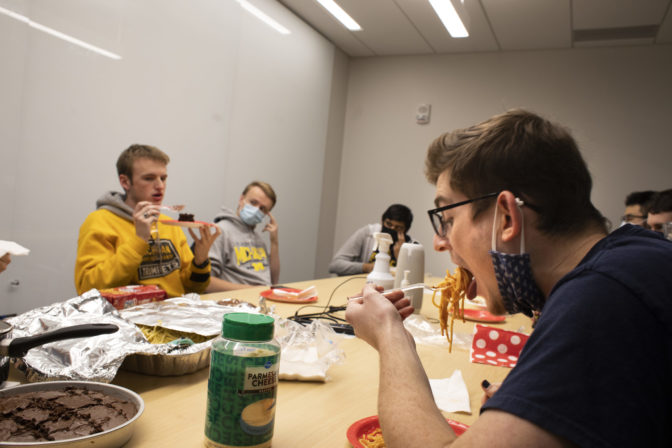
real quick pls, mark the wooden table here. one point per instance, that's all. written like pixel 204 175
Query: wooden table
pixel 308 414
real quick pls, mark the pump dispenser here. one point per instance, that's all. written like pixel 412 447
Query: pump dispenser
pixel 380 275
pixel 412 258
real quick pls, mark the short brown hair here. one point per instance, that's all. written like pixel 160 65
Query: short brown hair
pixel 523 153
pixel 134 152
pixel 265 187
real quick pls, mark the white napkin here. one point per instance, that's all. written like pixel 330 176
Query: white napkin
pixel 451 394
pixel 13 248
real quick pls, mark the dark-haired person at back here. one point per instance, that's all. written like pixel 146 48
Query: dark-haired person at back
pixel 122 244
pixel 660 211
pixel 357 255
pixel 636 208
pixel 597 369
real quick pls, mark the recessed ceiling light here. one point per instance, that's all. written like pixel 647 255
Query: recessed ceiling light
pixel 449 17
pixel 58 34
pixel 342 16
pixel 259 14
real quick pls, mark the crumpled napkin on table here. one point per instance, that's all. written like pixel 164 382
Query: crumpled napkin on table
pixel 12 248
pixel 451 394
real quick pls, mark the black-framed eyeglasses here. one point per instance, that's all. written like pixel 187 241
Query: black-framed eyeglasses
pixel 436 217
pixel 441 227
pixel 631 218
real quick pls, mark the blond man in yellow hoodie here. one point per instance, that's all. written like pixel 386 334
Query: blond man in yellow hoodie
pixel 122 244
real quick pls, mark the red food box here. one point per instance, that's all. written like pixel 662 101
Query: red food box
pixel 131 295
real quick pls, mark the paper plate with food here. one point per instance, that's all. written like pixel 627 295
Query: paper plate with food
pixel 366 433
pixel 481 315
pixel 291 295
pixel 185 220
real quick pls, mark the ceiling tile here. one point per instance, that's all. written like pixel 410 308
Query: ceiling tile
pixel 315 15
pixel 587 14
pixel 385 28
pixel 428 24
pixel 530 24
pixel 401 27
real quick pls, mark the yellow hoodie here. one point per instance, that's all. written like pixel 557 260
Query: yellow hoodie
pixel 110 254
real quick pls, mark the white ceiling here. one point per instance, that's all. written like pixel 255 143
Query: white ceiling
pixel 404 27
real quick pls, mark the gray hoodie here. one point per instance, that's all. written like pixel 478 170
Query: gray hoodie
pixel 356 251
pixel 114 201
pixel 239 255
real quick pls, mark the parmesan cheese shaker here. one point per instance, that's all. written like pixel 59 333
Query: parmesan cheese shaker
pixel 243 383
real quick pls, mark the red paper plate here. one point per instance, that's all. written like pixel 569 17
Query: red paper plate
pixel 269 294
pixel 480 315
pixel 369 424
pixel 193 224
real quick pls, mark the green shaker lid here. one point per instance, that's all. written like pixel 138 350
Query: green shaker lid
pixel 248 327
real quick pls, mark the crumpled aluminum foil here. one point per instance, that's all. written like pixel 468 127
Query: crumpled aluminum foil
pixel 307 352
pixel 98 358
pixel 187 314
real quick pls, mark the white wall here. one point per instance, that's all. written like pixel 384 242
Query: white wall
pixel 332 166
pixel 617 102
pixel 228 98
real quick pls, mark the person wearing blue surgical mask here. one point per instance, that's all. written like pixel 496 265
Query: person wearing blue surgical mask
pixel 513 208
pixel 240 257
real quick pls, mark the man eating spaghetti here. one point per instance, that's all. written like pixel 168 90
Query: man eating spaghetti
pixel 514 210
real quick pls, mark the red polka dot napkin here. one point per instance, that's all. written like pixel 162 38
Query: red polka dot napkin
pixel 495 346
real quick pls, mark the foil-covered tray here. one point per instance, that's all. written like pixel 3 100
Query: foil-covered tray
pixel 99 358
pixel 185 315
pixel 111 438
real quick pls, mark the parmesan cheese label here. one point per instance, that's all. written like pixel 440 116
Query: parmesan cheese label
pixel 242 390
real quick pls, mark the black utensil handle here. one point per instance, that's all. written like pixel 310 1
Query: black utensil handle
pixel 18 347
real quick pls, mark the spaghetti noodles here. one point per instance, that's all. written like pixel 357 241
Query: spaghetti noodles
pixel 161 335
pixel 373 439
pixel 453 292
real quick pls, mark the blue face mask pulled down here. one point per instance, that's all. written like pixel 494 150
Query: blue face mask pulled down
pixel 514 277
pixel 251 215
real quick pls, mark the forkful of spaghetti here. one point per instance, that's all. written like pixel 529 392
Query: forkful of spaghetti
pixel 453 291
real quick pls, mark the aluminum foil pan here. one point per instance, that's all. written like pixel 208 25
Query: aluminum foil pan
pixel 99 358
pixel 111 438
pixel 168 365
pixel 186 315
